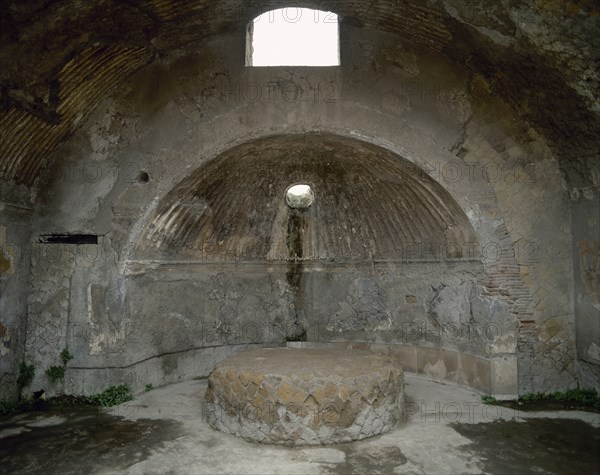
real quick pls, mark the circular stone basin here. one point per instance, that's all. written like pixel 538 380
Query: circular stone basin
pixel 302 396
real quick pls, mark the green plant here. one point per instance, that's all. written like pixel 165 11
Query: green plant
pixel 583 397
pixel 112 396
pixel 7 407
pixel 66 356
pixel 26 374
pixel 70 400
pixel 55 373
pixel 531 397
pixel 588 397
pixel 148 387
pixel 487 399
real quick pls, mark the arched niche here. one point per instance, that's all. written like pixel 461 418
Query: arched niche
pixel 369 204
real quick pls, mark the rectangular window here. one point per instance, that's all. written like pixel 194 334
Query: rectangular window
pixel 293 37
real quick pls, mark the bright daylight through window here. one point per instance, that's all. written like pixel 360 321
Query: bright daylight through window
pixel 294 37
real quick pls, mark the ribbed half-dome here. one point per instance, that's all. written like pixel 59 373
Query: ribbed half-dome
pixel 368 203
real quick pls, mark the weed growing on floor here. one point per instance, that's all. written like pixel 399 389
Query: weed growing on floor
pixel 583 397
pixel 112 396
pixel 487 399
pixel 580 399
pixel 10 407
pixel 7 407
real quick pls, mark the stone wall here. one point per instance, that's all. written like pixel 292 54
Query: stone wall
pixel 15 228
pixel 141 317
pixel 586 269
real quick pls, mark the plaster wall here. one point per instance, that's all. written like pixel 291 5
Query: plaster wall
pixel 586 269
pixel 138 320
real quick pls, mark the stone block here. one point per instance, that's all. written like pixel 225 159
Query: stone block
pixel 341 395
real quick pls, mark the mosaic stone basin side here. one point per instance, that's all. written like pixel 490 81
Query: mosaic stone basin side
pixel 305 396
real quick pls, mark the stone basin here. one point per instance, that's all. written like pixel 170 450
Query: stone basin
pixel 305 396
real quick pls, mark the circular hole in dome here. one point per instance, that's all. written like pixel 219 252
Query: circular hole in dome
pixel 300 196
pixel 143 177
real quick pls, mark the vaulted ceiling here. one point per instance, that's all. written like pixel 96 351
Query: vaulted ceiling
pixel 59 58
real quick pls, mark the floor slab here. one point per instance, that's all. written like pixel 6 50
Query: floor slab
pixel 446 430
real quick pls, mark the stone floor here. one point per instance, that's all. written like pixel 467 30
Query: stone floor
pixel 447 430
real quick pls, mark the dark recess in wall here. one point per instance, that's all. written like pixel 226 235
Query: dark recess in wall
pixel 68 239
